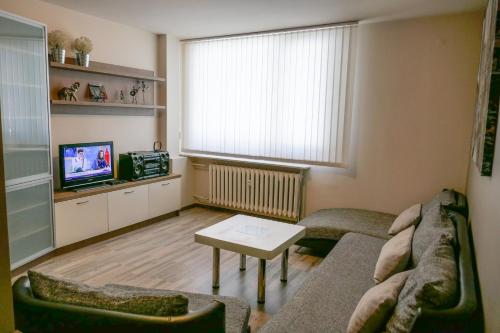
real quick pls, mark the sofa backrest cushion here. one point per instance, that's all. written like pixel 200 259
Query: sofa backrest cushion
pixel 394 256
pixel 432 284
pixel 64 291
pixel 410 216
pixel 434 222
pixel 376 305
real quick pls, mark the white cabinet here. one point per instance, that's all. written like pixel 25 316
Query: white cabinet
pixel 128 206
pixel 80 219
pixel 164 197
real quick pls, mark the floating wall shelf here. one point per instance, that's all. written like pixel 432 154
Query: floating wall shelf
pixel 107 69
pixel 111 105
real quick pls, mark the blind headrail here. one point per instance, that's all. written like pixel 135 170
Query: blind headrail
pixel 291 29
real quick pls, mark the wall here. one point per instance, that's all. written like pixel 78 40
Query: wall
pixel 483 194
pixel 113 43
pixel 415 98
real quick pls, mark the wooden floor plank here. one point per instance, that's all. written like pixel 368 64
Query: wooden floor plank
pixel 164 255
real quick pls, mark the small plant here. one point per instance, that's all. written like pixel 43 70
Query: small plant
pixel 57 39
pixel 82 45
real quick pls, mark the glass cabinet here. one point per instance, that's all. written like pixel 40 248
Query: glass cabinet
pixel 26 137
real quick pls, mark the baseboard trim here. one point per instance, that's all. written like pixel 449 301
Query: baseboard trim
pixel 86 242
pixel 246 212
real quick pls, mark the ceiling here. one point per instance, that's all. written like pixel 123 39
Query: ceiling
pixel 201 18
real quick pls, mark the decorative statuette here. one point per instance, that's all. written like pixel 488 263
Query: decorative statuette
pixel 143 87
pixel 134 91
pixel 69 92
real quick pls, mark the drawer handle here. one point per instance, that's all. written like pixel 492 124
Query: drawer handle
pixel 129 192
pixel 165 184
pixel 82 202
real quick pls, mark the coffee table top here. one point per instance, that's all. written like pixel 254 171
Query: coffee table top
pixel 253 236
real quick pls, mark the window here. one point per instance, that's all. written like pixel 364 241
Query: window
pixel 282 96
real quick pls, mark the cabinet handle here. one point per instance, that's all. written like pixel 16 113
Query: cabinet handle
pixel 165 184
pixel 82 202
pixel 129 192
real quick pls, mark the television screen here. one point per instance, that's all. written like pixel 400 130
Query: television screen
pixel 86 163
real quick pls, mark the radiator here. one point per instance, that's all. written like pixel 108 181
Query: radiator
pixel 262 192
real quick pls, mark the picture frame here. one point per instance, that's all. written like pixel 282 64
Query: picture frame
pixel 97 92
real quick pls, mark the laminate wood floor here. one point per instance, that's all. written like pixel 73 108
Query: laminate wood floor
pixel 165 256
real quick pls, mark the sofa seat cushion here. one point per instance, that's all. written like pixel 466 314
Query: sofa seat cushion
pixel 237 310
pixel 329 296
pixel 336 222
pixel 57 290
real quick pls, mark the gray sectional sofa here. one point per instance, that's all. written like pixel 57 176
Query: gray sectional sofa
pixel 328 298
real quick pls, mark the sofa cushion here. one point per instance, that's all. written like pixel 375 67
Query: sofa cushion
pixel 237 310
pixel 376 305
pixel 329 296
pixel 68 292
pixel 444 198
pixel 394 256
pixel 434 223
pixel 408 217
pixel 336 222
pixel 433 284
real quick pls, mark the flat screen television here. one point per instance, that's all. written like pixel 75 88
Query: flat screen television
pixel 83 164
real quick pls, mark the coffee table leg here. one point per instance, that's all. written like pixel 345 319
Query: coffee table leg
pixel 261 292
pixel 243 262
pixel 216 268
pixel 284 266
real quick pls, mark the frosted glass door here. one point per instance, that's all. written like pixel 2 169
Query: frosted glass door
pixel 29 215
pixel 23 101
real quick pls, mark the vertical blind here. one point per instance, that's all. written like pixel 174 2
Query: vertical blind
pixel 281 96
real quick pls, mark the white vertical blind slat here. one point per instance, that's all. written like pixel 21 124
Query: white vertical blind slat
pixel 281 95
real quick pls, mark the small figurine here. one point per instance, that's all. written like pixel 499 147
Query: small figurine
pixel 69 92
pixel 134 91
pixel 143 87
pixel 122 97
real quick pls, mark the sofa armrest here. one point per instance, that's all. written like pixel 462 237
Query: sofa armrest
pixel 35 315
pixel 467 303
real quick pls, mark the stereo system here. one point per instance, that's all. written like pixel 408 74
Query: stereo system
pixel 143 164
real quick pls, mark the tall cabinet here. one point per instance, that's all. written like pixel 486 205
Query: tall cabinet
pixel 25 129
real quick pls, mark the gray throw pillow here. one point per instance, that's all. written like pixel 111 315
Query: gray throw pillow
pixel 444 198
pixel 434 223
pixel 57 290
pixel 433 284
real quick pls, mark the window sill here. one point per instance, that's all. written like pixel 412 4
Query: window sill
pixel 248 161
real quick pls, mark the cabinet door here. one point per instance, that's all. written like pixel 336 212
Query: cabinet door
pixel 29 216
pixel 79 219
pixel 127 206
pixel 164 197
pixel 24 101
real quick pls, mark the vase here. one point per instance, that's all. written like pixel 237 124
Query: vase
pixel 58 55
pixel 82 59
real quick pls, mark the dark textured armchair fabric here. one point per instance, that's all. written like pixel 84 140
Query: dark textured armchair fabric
pixel 35 315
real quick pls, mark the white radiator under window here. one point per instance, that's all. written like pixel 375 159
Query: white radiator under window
pixel 265 192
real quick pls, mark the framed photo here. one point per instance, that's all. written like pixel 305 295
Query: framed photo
pixel 97 92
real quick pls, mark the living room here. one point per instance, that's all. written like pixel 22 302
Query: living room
pixel 337 119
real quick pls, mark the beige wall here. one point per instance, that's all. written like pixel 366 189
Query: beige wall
pixel 415 101
pixel 113 43
pixel 483 194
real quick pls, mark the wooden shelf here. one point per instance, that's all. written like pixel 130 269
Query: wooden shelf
pixel 109 105
pixel 99 68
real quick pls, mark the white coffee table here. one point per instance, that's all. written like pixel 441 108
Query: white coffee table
pixel 252 236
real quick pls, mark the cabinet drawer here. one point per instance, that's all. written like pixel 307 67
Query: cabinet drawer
pixel 79 219
pixel 164 197
pixel 128 206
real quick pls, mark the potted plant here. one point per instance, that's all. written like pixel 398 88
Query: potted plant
pixel 57 42
pixel 82 47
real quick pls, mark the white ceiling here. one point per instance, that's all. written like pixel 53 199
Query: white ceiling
pixel 200 18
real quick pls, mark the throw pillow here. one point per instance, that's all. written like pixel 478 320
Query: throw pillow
pixel 432 284
pixel 376 305
pixel 394 255
pixel 57 290
pixel 410 216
